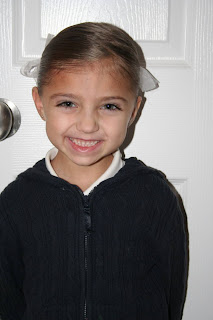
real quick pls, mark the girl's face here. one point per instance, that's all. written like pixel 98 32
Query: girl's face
pixel 87 113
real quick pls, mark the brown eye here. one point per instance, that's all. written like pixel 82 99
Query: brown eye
pixel 66 104
pixel 110 107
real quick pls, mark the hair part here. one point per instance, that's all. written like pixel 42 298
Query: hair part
pixel 87 43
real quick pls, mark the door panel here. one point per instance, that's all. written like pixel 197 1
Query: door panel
pixel 174 133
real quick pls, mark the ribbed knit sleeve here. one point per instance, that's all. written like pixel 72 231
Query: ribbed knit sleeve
pixel 179 267
pixel 12 303
pixel 173 226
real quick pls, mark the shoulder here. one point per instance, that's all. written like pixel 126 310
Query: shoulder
pixel 148 190
pixel 22 195
pixel 22 186
pixel 152 178
pixel 153 183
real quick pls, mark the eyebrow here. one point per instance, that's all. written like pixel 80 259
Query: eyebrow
pixel 55 95
pixel 114 98
pixel 72 96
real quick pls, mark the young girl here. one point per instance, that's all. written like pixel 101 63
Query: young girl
pixel 85 234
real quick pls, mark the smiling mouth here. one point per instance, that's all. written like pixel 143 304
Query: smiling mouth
pixel 83 143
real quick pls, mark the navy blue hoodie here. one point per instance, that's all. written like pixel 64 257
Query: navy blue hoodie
pixel 119 253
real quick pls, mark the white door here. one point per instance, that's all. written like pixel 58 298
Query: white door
pixel 175 131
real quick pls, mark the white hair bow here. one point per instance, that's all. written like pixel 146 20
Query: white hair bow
pixel 147 80
pixel 31 68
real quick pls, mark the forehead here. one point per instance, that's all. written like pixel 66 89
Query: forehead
pixel 103 74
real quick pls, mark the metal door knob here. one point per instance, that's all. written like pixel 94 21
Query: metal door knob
pixel 10 119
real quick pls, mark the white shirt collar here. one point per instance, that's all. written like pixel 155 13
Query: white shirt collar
pixel 115 166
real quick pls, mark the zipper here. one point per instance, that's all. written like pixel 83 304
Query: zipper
pixel 85 266
pixel 87 219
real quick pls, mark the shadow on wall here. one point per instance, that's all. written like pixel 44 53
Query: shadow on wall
pixel 131 129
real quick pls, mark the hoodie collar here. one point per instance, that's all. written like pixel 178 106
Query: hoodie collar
pixel 132 168
pixel 115 166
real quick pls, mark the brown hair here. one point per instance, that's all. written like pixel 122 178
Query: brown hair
pixel 89 42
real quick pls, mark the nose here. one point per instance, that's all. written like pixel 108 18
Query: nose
pixel 87 122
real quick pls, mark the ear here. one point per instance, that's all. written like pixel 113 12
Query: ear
pixel 135 111
pixel 38 102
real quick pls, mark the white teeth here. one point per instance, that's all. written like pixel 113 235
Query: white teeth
pixel 84 143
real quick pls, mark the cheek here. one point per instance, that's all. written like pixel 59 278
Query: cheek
pixel 117 127
pixel 57 122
